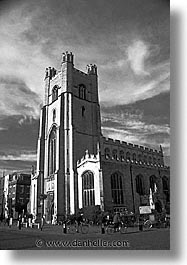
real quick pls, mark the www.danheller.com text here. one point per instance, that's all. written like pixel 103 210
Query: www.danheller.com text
pixel 81 243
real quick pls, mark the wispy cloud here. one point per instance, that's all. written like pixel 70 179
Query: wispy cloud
pixel 22 157
pixel 129 89
pixel 137 54
pixel 21 65
pixel 17 98
pixel 135 127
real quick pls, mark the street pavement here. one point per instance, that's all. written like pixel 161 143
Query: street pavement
pixel 52 237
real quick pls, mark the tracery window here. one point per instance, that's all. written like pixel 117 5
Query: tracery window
pixel 134 157
pixel 153 183
pixel 107 153
pixel 82 91
pixel 165 184
pixel 140 158
pixel 165 187
pixel 88 189
pixel 114 154
pixel 117 188
pixel 121 155
pixel 128 156
pixel 140 185
pixel 52 151
pixel 54 93
pixel 150 160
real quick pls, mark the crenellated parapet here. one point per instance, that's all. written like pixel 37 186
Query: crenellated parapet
pixel 120 150
pixel 95 159
pixel 129 145
pixel 67 57
pixel 50 72
pixel 92 69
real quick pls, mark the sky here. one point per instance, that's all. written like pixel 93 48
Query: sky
pixel 128 40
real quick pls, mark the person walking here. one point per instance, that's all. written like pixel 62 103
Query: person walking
pixel 116 221
pixel 19 222
pixel 79 220
pixel 42 223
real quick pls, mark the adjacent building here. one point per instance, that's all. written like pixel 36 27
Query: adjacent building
pixel 4 181
pixel 15 194
pixel 19 193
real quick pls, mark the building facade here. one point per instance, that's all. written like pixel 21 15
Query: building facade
pixel 16 194
pixel 4 182
pixel 76 165
pixel 2 196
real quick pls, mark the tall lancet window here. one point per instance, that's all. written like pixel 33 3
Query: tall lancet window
pixel 54 93
pixel 88 189
pixel 52 151
pixel 82 91
pixel 117 188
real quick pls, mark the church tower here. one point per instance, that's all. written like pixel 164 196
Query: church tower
pixel 69 125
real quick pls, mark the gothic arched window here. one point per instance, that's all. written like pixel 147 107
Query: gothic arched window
pixel 54 115
pixel 107 153
pixel 139 158
pixel 117 188
pixel 121 155
pixel 140 185
pixel 153 183
pixel 165 184
pixel 82 91
pixel 150 160
pixel 54 93
pixel 134 157
pixel 128 156
pixel 88 189
pixel 52 151
pixel 114 154
pixel 165 187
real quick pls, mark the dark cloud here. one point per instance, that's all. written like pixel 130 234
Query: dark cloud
pixel 8 166
pixel 154 110
pixel 18 143
pixel 144 122
pixel 21 136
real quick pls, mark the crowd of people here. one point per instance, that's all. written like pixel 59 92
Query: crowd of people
pixel 104 219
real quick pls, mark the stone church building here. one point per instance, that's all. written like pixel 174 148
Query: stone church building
pixel 76 165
